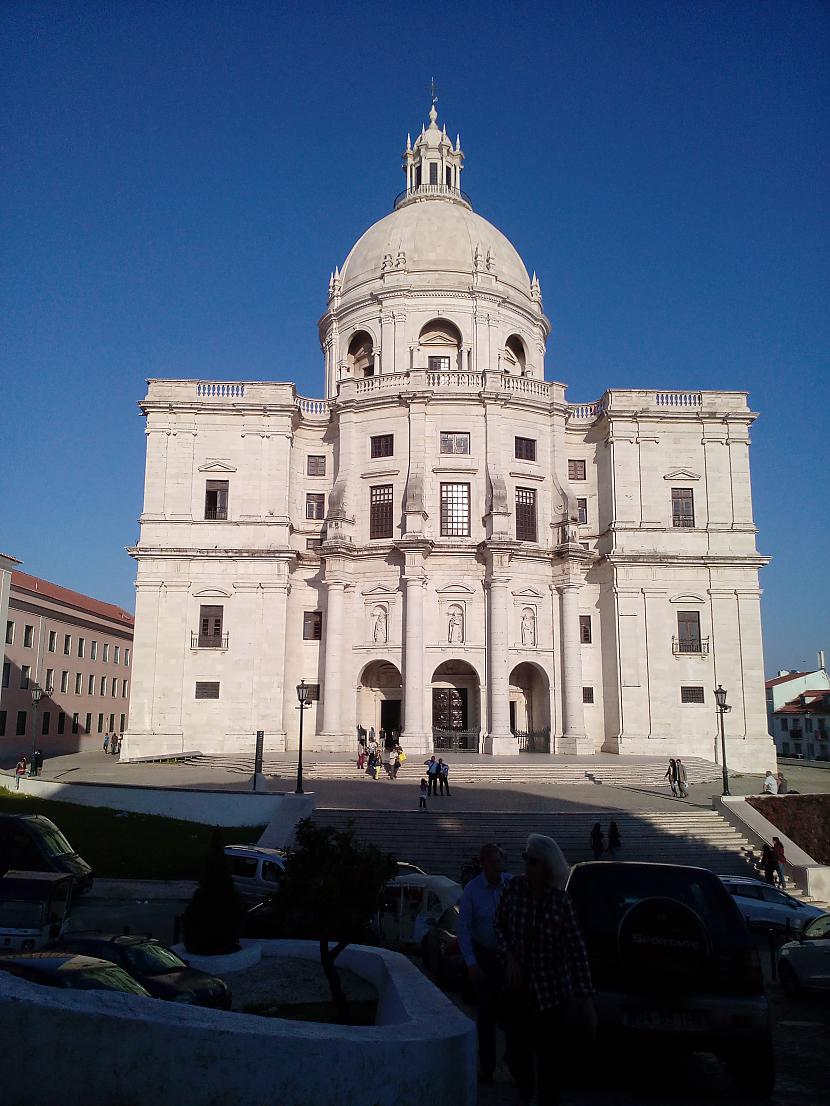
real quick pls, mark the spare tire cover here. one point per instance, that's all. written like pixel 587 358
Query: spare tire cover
pixel 660 941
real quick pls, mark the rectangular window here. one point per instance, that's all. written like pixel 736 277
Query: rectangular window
pixel 576 470
pixel 123 689
pixel 50 680
pixel 312 625
pixel 53 641
pixel 25 673
pixel 380 511
pixel 587 695
pixel 78 683
pixel 114 687
pixel 64 682
pixel 2 723
pixel 682 507
pixel 126 658
pixel 102 689
pixel 525 514
pixel 582 512
pixel 785 725
pixel 207 689
pixel 210 627
pixel 785 748
pixel 28 636
pixel 525 449
pixel 123 722
pixel 313 543
pixel 382 445
pixel 585 635
pixel 81 647
pixel 455 510
pixel 61 722
pixel 90 686
pixel 21 724
pixel 9 632
pixel 67 644
pixel 438 364
pixel 808 725
pixel 116 657
pixel 75 722
pixel 100 723
pixel 112 722
pixel 433 172
pixel 47 718
pixel 688 631
pixel 453 442
pixel 88 724
pixel 691 695
pixel 216 500
pixel 106 653
pixel 315 505
pixel 313 693
pixel 316 464
pixel 93 651
pixel 7 671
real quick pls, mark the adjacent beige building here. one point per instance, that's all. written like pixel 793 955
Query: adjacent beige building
pixel 443 544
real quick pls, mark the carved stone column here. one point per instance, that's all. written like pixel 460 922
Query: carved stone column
pixel 574 739
pixel 417 735
pixel 499 740
pixel 333 660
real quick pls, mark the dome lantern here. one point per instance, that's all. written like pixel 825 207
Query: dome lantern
pixel 433 165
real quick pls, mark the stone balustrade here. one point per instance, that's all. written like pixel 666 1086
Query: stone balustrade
pixel 210 389
pixel 313 406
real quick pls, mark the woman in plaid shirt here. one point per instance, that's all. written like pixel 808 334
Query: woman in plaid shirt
pixel 546 968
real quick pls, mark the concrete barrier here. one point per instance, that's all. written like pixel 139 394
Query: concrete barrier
pixel 100 1048
pixel 213 807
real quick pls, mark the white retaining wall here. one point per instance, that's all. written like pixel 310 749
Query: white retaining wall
pixel 102 1048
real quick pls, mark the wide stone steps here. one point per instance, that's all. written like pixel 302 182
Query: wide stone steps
pixel 442 841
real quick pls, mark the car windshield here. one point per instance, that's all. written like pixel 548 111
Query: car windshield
pixel 103 979
pixel 20 914
pixel 152 959
pixel 54 841
pixel 818 929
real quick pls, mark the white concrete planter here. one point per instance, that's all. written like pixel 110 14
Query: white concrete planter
pixel 248 955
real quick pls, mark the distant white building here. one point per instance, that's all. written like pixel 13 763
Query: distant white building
pixel 443 544
pixel 797 712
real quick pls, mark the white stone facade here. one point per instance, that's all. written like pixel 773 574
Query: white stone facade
pixel 488 559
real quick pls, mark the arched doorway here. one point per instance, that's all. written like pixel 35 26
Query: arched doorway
pixel 456 706
pixel 361 355
pixel 515 358
pixel 530 708
pixel 441 341
pixel 379 698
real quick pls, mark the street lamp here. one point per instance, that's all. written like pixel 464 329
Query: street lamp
pixel 303 695
pixel 720 699
pixel 37 693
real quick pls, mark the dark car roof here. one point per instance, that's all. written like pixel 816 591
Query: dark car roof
pixel 37 819
pixel 110 938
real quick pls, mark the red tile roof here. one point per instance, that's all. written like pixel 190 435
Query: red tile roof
pixel 34 585
pixel 816 698
pixel 783 679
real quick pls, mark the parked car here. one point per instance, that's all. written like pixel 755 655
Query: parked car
pixel 32 843
pixel 440 952
pixel 764 905
pixel 56 968
pixel 411 904
pixel 674 965
pixel 158 969
pixel 805 963
pixel 34 908
pixel 256 871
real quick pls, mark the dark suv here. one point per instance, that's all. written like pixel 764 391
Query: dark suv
pixel 674 965
pixel 32 843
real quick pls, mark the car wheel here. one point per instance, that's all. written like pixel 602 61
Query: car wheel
pixel 788 978
pixel 753 1069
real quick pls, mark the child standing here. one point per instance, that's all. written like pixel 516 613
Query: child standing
pixel 422 804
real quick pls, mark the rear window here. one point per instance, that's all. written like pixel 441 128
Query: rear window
pixel 603 894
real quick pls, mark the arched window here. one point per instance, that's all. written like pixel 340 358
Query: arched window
pixel 441 340
pixel 361 356
pixel 515 359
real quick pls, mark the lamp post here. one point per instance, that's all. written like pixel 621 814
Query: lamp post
pixel 720 699
pixel 37 692
pixel 303 693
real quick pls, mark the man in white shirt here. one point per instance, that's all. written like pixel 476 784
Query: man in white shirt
pixel 477 941
pixel 770 784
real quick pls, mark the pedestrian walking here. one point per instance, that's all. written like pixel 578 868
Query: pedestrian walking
pixel 431 766
pixel 37 762
pixel 597 841
pixel 476 935
pixel 770 784
pixel 444 777
pixel 780 860
pixel 769 863
pixel 547 976
pixel 671 776
pixel 680 769
pixel 106 741
pixel 423 790
pixel 614 840
pixel 19 770
pixel 783 786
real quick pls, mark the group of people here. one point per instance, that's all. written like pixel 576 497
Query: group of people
pixel 24 765
pixel 438 776
pixel 597 838
pixel 527 964
pixel 773 861
pixel 676 775
pixel 774 785
pixel 112 743
pixel 376 757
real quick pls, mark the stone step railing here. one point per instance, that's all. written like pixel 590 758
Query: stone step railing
pixel 219 390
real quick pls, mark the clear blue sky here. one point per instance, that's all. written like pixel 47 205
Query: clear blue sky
pixel 180 178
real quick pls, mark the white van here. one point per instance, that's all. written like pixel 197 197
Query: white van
pixel 256 871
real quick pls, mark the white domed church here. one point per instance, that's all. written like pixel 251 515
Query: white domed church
pixel 443 546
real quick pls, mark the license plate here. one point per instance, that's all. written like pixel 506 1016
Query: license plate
pixel 677 1021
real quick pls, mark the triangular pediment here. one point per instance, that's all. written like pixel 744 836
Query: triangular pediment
pixel 380 589
pixel 212 592
pixel 217 466
pixel 682 474
pixel 528 593
pixel 436 340
pixel 455 589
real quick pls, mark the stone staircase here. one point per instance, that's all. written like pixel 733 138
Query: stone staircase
pixel 441 842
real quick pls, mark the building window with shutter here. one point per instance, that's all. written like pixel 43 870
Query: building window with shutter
pixel 582 512
pixel 587 695
pixel 93 651
pixel 47 718
pixel 53 641
pixel 316 464
pixel 312 625
pixel 216 500
pixel 78 682
pixel 88 723
pixel 525 514
pixel 691 695
pixel 21 724
pixel 67 644
pixel 211 635
pixel 100 723
pixel 315 505
pixel 25 673
pixel 207 689
pixel 64 682
pixel 61 722
pixel 525 449
pixel 576 470
pixel 683 507
pixel 7 671
pixel 29 636
pixel 10 632
pixel 75 722
pixel 313 544
pixel 380 511
pixel 2 723
pixel 382 445
pixel 688 632
pixel 455 510
pixel 453 443
pixel 585 635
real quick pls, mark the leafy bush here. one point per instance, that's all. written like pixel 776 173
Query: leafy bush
pixel 212 918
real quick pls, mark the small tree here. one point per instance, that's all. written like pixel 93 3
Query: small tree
pixel 210 926
pixel 332 887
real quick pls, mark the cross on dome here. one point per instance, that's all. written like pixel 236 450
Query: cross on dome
pixel 432 164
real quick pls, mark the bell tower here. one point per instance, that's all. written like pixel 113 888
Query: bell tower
pixel 432 164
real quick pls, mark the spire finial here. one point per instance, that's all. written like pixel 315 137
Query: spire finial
pixel 433 112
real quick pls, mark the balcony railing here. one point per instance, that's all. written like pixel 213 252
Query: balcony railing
pixel 696 647
pixel 422 191
pixel 209 641
pixel 216 514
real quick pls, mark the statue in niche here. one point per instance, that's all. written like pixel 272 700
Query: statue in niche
pixel 379 626
pixel 455 628
pixel 528 626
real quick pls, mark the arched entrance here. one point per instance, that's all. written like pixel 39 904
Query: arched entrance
pixel 441 340
pixel 530 708
pixel 379 698
pixel 456 706
pixel 361 356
